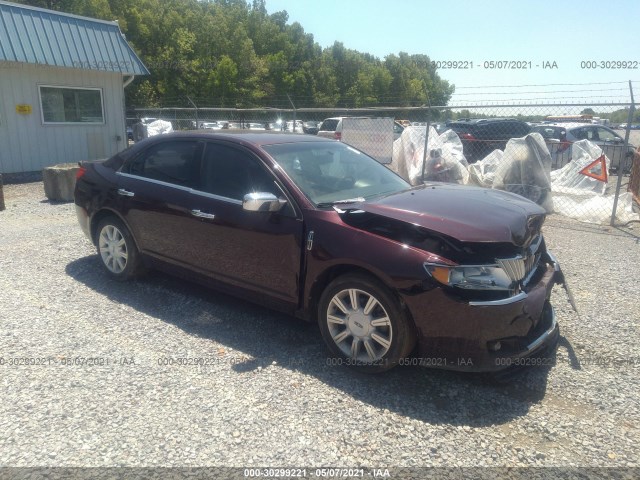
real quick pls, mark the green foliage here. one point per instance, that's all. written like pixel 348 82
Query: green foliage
pixel 231 53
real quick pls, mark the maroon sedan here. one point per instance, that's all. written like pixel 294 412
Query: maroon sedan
pixel 439 275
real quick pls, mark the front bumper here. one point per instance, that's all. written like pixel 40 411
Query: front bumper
pixel 487 336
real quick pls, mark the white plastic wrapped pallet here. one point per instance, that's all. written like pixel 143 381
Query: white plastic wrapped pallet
pixel 585 198
pixel 445 160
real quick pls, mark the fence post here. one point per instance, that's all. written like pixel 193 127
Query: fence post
pixel 294 113
pixel 626 149
pixel 196 107
pixel 426 138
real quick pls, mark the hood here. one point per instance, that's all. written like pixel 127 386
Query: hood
pixel 468 214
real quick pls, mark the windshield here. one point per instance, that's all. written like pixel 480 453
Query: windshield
pixel 329 172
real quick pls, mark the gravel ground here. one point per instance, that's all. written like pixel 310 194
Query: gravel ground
pixel 267 396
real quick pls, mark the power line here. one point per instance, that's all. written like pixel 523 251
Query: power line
pixel 544 92
pixel 545 85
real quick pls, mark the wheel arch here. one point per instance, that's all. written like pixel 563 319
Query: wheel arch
pixel 339 270
pixel 102 214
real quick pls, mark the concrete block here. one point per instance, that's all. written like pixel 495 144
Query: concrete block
pixel 59 181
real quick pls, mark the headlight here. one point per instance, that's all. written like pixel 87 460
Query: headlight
pixel 471 277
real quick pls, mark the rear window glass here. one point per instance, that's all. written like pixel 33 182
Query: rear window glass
pixel 329 125
pixel 550 132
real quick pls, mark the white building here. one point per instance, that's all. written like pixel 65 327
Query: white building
pixel 62 80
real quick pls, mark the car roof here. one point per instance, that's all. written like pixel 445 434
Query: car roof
pixel 476 121
pixel 571 125
pixel 244 136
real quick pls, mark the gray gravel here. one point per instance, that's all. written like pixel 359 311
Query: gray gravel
pixel 267 397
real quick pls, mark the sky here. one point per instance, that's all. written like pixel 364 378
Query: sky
pixel 568 37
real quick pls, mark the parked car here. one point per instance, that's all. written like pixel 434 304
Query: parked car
pixel 482 136
pixel 210 125
pixel 332 128
pixel 311 128
pixel 457 275
pixel 560 136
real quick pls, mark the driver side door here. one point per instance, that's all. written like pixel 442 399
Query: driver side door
pixel 259 251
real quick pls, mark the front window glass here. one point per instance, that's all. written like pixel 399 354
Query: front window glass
pixel 331 171
pixel 606 135
pixel 233 173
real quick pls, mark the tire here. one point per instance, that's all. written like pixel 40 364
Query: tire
pixel 372 337
pixel 116 249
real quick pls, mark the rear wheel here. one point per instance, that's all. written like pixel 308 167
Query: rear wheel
pixel 363 324
pixel 116 249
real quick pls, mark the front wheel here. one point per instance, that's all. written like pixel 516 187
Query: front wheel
pixel 116 249
pixel 363 324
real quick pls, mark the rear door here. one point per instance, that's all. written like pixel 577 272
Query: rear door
pixel 260 251
pixel 154 195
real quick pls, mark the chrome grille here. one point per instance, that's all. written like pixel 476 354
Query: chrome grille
pixel 519 268
pixel 514 267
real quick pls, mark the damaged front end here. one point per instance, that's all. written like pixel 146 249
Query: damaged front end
pixel 486 302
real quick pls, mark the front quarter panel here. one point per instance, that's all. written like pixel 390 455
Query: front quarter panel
pixel 336 244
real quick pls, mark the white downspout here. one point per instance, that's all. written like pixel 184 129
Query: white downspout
pixel 124 111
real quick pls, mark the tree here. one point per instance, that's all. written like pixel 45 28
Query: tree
pixel 233 53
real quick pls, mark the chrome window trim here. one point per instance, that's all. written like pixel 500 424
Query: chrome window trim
pixel 213 196
pixel 183 188
pixel 153 180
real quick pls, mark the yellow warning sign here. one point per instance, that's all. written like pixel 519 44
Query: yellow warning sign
pixel 24 109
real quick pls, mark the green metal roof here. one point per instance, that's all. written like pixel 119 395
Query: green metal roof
pixel 44 37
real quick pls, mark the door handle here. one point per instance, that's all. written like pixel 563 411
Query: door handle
pixel 198 213
pixel 125 193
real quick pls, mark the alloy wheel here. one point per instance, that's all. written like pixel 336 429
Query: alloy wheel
pixel 113 249
pixel 359 325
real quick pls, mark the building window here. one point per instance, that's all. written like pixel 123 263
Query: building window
pixel 71 105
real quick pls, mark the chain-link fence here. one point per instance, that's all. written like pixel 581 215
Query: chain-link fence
pixel 562 156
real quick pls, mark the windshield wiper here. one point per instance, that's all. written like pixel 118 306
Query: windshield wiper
pixel 341 202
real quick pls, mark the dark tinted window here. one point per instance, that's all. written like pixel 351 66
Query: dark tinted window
pixel 174 162
pixel 502 129
pixel 232 173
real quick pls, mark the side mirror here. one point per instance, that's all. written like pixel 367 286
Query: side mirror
pixel 262 202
